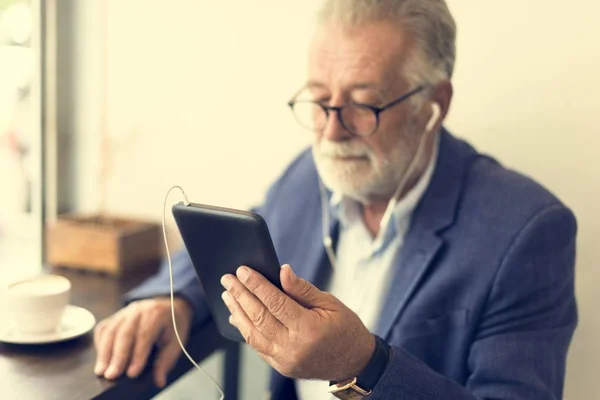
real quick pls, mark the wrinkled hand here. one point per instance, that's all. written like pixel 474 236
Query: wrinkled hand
pixel 124 341
pixel 303 333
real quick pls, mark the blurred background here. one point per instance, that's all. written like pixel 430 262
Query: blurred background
pixel 129 97
pixel 20 139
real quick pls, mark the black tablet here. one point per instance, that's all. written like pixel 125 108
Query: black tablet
pixel 219 240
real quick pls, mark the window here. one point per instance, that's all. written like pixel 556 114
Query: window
pixel 21 143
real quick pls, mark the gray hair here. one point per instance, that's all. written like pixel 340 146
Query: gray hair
pixel 429 22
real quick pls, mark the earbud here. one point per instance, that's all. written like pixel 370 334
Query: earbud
pixel 436 112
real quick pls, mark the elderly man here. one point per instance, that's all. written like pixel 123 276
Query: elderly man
pixel 443 275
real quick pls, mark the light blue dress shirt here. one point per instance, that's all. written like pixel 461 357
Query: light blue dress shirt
pixel 361 279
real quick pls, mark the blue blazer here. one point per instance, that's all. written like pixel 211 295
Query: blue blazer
pixel 482 302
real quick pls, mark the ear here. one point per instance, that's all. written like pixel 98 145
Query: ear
pixel 442 96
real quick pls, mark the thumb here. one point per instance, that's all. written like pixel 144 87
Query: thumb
pixel 302 291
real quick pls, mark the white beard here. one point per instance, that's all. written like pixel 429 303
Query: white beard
pixel 365 178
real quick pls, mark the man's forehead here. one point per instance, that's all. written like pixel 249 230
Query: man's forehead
pixel 365 56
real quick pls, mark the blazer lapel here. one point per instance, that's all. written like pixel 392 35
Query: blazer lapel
pixel 422 242
pixel 302 247
pixel 419 249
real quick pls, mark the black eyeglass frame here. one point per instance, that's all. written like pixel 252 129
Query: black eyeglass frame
pixel 338 109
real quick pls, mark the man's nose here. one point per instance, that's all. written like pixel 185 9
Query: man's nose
pixel 334 130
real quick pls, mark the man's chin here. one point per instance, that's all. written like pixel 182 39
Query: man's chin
pixel 346 166
pixel 358 184
pixel 351 177
pixel 346 184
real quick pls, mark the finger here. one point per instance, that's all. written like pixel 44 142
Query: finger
pixel 284 308
pixel 251 334
pixel 105 340
pixel 258 313
pixel 165 361
pixel 302 291
pixel 147 334
pixel 98 331
pixel 123 345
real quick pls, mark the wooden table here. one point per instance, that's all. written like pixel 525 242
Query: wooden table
pixel 65 371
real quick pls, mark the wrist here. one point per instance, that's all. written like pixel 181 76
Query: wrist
pixel 366 356
pixel 362 383
pixel 362 355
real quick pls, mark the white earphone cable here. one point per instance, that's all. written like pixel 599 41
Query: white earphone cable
pixel 387 215
pixel 164 229
pixel 327 241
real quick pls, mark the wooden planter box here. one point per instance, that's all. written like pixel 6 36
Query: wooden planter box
pixel 109 245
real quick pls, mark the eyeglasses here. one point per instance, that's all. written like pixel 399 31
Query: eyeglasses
pixel 358 119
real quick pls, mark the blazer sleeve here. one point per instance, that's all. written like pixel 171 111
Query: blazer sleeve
pixel 520 346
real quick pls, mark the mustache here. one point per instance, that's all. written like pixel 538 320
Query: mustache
pixel 343 149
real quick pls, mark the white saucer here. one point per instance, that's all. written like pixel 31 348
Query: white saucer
pixel 76 321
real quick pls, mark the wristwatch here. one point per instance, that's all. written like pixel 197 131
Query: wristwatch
pixel 361 386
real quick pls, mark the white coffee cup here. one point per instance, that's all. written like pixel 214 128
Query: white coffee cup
pixel 36 305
